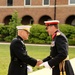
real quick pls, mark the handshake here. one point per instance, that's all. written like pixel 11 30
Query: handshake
pixel 41 63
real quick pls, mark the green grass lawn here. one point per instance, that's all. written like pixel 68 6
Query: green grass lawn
pixel 38 52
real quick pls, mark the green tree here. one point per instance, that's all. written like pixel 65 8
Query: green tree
pixel 14 21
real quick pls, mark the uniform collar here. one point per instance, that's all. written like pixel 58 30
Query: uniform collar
pixel 53 36
pixel 19 38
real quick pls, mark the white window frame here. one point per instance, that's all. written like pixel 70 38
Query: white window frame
pixel 70 3
pixel 25 3
pixel 43 3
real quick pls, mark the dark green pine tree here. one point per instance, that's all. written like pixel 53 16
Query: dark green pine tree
pixel 14 21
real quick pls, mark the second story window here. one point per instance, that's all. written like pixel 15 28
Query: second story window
pixel 9 2
pixel 72 1
pixel 46 2
pixel 27 2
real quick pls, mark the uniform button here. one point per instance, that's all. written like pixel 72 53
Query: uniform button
pixel 20 65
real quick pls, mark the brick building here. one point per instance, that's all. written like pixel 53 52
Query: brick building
pixel 37 11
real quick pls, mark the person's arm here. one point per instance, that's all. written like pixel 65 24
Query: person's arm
pixel 47 58
pixel 22 55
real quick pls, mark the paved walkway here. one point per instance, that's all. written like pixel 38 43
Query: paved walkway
pixel 47 71
pixel 33 44
pixel 73 63
pixel 44 71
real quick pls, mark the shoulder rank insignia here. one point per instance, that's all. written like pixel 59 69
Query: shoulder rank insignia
pixel 58 33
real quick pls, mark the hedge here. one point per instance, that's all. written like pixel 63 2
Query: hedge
pixel 69 31
pixel 7 33
pixel 38 34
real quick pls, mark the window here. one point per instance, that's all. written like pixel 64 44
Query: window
pixel 46 2
pixel 31 21
pixel 27 2
pixel 73 22
pixel 9 2
pixel 72 1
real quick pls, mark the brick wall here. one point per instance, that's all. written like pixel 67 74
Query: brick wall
pixel 33 2
pixel 62 2
pixel 37 2
pixel 62 12
pixel 18 2
pixel 3 2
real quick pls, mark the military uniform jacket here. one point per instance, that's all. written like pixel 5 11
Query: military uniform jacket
pixel 58 53
pixel 19 58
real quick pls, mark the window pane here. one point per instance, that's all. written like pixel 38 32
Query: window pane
pixel 27 2
pixel 73 22
pixel 46 2
pixel 72 1
pixel 9 2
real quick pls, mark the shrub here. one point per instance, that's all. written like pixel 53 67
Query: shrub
pixel 8 32
pixel 71 42
pixel 4 32
pixel 69 31
pixel 38 34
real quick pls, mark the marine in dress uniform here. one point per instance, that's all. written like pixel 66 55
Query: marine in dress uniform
pixel 19 57
pixel 58 59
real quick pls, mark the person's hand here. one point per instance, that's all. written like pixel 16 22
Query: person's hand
pixel 29 69
pixel 39 62
pixel 45 64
